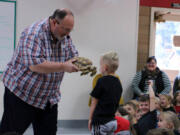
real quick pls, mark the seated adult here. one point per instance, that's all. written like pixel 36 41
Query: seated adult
pixel 161 82
pixel 176 85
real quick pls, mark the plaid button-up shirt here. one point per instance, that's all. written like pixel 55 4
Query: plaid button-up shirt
pixel 35 47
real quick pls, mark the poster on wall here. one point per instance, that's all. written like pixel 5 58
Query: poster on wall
pixel 7 31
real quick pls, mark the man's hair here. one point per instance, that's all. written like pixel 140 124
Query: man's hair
pixel 144 98
pixel 60 14
pixel 111 60
pixel 160 131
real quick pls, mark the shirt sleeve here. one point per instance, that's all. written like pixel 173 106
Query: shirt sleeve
pixel 31 49
pixel 97 91
pixel 135 83
pixel 70 49
pixel 167 83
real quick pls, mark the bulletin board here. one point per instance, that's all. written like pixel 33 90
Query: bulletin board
pixel 7 31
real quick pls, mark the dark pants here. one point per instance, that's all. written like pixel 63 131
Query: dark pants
pixel 18 115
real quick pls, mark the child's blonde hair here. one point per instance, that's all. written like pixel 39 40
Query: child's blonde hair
pixel 132 104
pixel 171 118
pixel 136 103
pixel 168 97
pixel 158 104
pixel 111 60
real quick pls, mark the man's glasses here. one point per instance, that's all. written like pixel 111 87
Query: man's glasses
pixel 63 28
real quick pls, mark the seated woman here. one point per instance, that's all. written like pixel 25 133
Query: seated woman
pixel 161 82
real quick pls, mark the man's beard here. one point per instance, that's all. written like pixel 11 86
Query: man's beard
pixel 60 38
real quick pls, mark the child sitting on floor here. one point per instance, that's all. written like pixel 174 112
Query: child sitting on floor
pixel 169 120
pixel 176 102
pixel 123 124
pixel 166 103
pixel 148 119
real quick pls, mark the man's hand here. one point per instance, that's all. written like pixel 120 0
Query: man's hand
pixel 69 67
pixel 51 67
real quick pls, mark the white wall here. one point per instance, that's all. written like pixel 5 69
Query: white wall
pixel 100 26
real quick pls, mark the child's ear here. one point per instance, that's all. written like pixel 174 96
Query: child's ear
pixel 54 21
pixel 105 67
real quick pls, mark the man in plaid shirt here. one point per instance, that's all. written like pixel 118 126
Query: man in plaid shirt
pixel 34 74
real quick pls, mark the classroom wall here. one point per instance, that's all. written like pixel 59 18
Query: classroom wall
pixel 100 26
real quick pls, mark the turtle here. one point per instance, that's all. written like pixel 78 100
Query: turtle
pixel 85 65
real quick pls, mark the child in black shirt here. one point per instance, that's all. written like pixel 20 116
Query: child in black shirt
pixel 148 119
pixel 105 97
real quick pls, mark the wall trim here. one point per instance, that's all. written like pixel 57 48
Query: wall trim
pixel 72 123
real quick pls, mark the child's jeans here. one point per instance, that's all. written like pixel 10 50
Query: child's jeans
pixel 106 129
